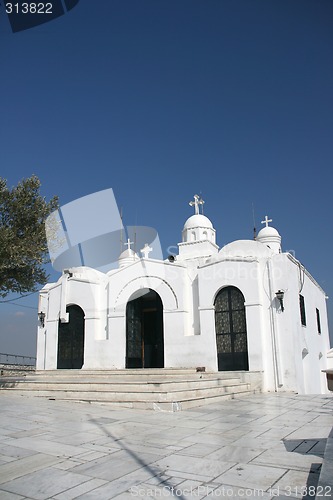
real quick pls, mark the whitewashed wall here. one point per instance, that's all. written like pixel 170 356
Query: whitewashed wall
pixel 291 356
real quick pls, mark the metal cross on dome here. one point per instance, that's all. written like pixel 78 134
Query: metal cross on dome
pixel 266 221
pixel 128 243
pixel 197 201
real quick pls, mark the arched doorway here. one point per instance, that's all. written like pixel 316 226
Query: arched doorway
pixel 71 340
pixel 230 328
pixel 144 331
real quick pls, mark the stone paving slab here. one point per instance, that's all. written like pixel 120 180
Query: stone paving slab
pixel 265 446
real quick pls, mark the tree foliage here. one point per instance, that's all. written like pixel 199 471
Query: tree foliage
pixel 23 245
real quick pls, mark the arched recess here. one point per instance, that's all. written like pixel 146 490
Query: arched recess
pixel 230 329
pixel 144 330
pixel 164 290
pixel 71 340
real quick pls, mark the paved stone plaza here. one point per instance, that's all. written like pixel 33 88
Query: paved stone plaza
pixel 263 446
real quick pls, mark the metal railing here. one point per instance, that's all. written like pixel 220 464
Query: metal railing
pixel 16 359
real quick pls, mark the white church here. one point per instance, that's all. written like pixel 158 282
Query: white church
pixel 248 306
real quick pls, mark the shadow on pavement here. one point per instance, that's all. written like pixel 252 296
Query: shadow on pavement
pixel 153 471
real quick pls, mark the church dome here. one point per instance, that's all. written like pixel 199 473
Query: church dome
pixel 127 257
pixel 243 249
pixel 269 236
pixel 129 253
pixel 198 220
pixel 267 232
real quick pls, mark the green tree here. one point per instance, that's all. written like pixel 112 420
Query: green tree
pixel 23 245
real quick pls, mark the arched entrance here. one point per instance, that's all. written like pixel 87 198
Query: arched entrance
pixel 71 340
pixel 230 328
pixel 144 331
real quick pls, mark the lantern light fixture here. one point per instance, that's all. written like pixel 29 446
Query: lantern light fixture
pixel 41 317
pixel 280 295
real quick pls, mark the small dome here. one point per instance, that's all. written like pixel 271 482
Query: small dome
pixel 244 249
pixel 127 257
pixel 270 237
pixel 83 272
pixel 198 220
pixel 267 232
pixel 127 254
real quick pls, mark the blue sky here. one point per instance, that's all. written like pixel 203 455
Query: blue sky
pixel 161 99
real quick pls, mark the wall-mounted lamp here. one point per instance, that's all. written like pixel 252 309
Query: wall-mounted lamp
pixel 41 317
pixel 279 295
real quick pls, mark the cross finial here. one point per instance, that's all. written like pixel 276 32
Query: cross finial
pixel 128 243
pixel 197 201
pixel 146 250
pixel 266 221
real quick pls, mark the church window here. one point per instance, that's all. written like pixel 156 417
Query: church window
pixel 302 310
pixel 205 236
pixel 318 321
pixel 193 236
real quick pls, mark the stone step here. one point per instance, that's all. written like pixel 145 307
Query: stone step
pixel 143 396
pixel 125 377
pixel 149 373
pixel 126 386
pixel 167 406
pixel 161 389
pixel 193 403
pixel 120 371
pixel 118 380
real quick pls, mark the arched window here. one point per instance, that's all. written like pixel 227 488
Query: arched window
pixel 230 328
pixel 193 236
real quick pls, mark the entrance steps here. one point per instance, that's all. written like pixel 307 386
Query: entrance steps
pixel 153 388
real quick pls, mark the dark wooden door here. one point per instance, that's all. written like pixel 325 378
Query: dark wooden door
pixel 144 332
pixel 71 340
